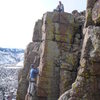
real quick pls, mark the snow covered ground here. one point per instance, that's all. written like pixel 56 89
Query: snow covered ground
pixel 11 61
pixel 8 81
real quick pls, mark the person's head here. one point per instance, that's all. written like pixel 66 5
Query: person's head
pixel 32 65
pixel 60 2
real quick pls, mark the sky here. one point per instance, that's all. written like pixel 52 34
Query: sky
pixel 18 17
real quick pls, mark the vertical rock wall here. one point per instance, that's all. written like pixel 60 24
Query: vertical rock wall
pixel 59 59
pixel 61 54
pixel 87 83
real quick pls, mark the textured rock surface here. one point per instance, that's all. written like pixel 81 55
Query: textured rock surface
pixel 31 56
pixel 90 4
pixel 59 60
pixel 93 13
pixel 56 35
pixel 87 83
pixel 55 49
pixel 96 13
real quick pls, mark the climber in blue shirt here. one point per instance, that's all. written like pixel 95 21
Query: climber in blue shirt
pixel 34 71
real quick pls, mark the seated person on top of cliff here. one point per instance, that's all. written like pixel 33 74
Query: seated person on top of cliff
pixel 60 7
pixel 34 71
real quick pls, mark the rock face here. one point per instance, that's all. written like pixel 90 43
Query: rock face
pixel 87 82
pixel 93 13
pixel 55 48
pixel 59 58
pixel 96 13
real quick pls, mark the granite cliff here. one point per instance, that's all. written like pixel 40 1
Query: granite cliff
pixel 87 82
pixel 67 53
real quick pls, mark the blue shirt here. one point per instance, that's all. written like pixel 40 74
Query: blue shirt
pixel 34 72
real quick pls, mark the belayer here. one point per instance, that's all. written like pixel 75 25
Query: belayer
pixel 60 7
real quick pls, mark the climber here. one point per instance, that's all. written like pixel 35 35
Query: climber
pixel 60 7
pixel 34 71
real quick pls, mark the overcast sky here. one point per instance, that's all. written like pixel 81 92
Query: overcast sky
pixel 17 18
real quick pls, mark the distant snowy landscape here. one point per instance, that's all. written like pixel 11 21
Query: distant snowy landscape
pixel 11 56
pixel 11 61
